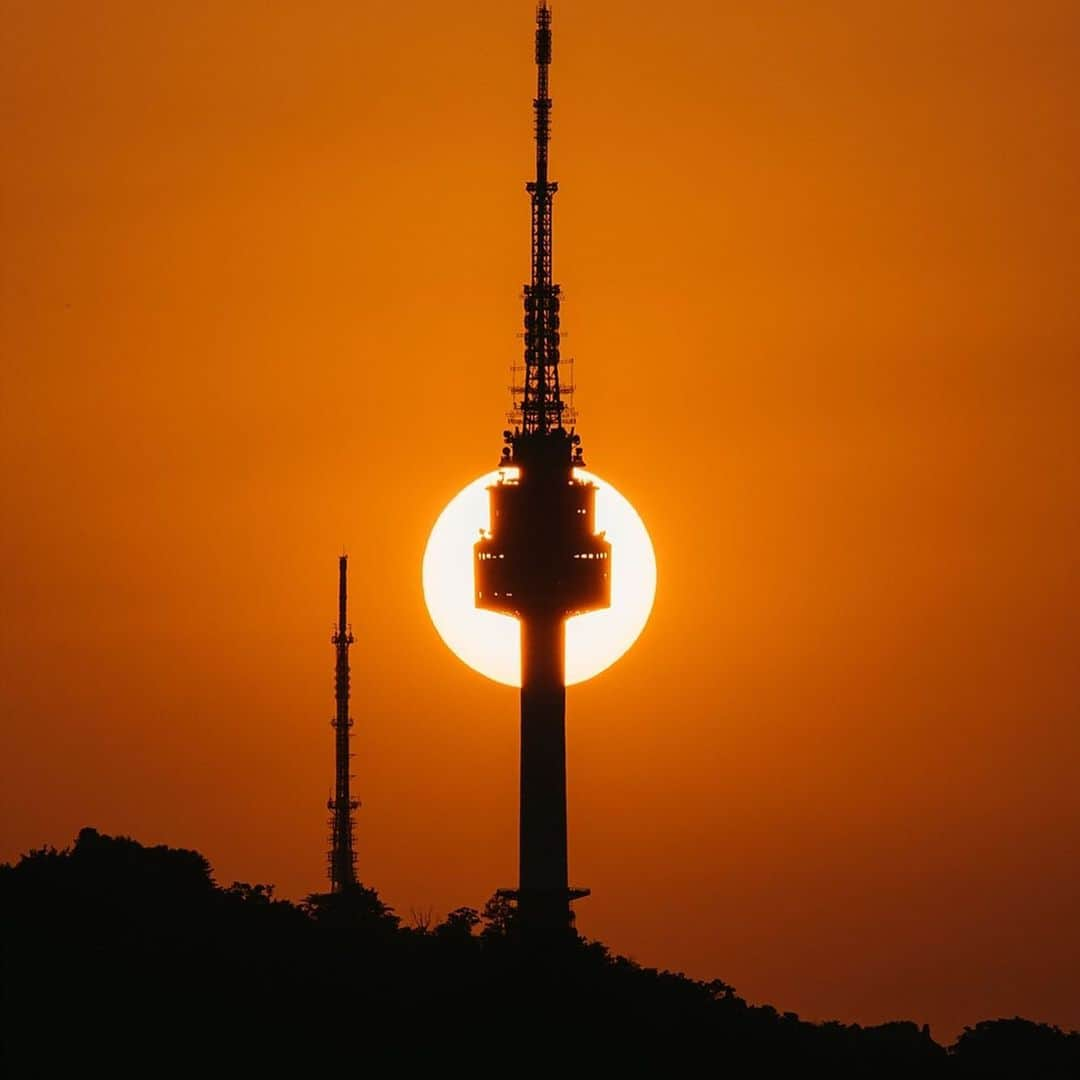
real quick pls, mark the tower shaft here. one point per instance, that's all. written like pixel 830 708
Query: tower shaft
pixel 543 895
pixel 342 806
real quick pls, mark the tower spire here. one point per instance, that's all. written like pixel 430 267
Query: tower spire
pixel 342 807
pixel 538 405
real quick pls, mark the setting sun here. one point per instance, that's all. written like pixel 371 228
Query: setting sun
pixel 490 643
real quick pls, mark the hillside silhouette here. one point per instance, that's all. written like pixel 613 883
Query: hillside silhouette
pixel 121 959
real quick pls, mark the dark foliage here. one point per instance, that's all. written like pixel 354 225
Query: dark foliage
pixel 1018 1048
pixel 120 959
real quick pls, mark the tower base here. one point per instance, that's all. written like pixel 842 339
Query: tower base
pixel 544 913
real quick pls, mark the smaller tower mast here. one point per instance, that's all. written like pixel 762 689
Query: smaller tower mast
pixel 342 807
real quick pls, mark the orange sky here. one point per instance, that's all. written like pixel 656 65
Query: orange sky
pixel 260 289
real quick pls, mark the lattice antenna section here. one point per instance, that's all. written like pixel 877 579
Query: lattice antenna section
pixel 538 405
pixel 567 387
pixel 341 858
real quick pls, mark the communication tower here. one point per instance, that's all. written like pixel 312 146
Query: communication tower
pixel 541 559
pixel 342 806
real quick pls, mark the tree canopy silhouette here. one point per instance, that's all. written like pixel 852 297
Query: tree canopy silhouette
pixel 133 958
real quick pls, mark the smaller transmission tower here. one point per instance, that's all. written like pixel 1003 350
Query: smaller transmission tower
pixel 342 807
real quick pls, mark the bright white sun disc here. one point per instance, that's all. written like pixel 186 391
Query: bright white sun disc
pixel 490 643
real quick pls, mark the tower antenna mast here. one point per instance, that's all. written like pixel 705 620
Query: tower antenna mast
pixel 342 807
pixel 540 407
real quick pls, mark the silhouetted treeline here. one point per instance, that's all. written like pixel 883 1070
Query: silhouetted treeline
pixel 120 959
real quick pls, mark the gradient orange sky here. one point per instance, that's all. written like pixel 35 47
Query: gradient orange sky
pixel 260 290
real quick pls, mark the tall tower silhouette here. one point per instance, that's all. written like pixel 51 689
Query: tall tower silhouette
pixel 342 806
pixel 541 559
